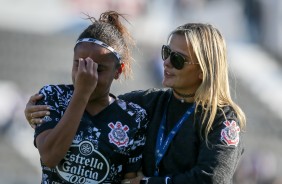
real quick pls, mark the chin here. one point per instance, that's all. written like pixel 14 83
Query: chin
pixel 166 83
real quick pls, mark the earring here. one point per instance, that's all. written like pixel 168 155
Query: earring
pixel 121 68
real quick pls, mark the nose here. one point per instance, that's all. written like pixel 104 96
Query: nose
pixel 167 63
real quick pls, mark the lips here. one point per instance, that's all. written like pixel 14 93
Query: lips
pixel 168 74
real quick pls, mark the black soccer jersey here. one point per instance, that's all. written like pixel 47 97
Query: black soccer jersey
pixel 105 146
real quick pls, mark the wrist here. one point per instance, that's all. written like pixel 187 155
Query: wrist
pixel 80 96
pixel 162 180
pixel 144 180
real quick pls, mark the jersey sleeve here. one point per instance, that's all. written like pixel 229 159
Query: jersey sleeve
pixel 135 159
pixel 217 160
pixel 51 99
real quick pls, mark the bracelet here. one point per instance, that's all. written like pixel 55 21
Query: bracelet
pixel 144 180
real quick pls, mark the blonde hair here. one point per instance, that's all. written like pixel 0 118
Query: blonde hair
pixel 210 49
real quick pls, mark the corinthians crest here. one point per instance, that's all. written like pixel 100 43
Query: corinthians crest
pixel 230 134
pixel 118 134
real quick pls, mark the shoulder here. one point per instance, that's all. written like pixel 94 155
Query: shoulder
pixel 228 124
pixel 61 93
pixel 132 109
pixel 225 129
pixel 225 113
pixel 49 89
pixel 56 90
pixel 222 114
pixel 144 93
pixel 146 98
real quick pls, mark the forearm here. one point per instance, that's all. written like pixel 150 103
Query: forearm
pixel 214 166
pixel 54 145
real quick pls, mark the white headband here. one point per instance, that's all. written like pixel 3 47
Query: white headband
pixel 92 40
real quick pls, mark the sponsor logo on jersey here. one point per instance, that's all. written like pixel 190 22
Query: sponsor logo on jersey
pixel 118 135
pixel 230 134
pixel 83 164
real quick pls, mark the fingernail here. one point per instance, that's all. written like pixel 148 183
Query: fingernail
pixel 48 107
pixel 47 113
pixel 40 121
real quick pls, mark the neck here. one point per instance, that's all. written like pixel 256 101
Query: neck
pixel 97 105
pixel 184 97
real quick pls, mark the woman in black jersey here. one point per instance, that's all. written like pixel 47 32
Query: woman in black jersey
pixel 195 129
pixel 90 136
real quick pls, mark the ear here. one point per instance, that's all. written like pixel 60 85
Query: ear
pixel 201 75
pixel 119 71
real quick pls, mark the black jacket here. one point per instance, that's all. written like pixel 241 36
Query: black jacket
pixel 189 159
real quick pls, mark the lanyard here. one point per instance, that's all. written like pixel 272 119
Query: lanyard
pixel 162 141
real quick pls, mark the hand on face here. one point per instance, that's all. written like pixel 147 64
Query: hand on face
pixel 85 82
pixel 86 77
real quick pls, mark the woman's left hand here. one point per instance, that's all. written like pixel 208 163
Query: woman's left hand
pixel 135 180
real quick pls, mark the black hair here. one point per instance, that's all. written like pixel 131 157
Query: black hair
pixel 110 30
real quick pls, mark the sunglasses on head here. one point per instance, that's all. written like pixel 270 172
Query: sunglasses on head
pixel 177 59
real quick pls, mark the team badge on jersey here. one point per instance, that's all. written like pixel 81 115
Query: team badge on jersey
pixel 118 134
pixel 230 134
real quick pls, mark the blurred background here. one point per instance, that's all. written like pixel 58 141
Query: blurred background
pixel 36 47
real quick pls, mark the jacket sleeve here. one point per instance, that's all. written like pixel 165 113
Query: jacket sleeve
pixel 148 99
pixel 217 160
